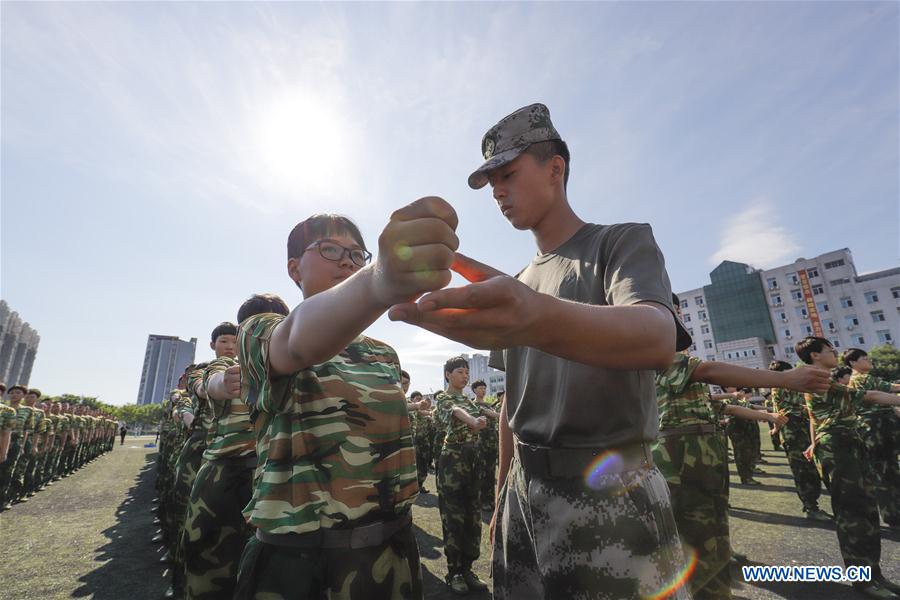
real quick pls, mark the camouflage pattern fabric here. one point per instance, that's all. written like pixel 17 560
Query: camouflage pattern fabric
pixel 424 444
pixel 880 430
pixel 459 500
pixel 489 454
pixel 233 434
pixel 337 447
pixel 186 467
pixel 389 571
pixel 215 531
pixel 7 471
pixel 741 432
pixel 806 478
pixel 455 431
pixel 695 467
pixel 559 538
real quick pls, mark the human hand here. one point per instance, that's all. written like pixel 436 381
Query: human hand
pixel 494 311
pixel 415 251
pixel 807 379
pixel 232 381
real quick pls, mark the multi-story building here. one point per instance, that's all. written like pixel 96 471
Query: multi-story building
pixel 18 347
pixel 757 315
pixel 165 360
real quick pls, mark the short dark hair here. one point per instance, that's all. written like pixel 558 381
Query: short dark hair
pixel 478 383
pixel 223 328
pixel 18 387
pixel 808 345
pixel 34 391
pixel 2 387
pixel 455 363
pixel 838 372
pixel 317 227
pixel 779 365
pixel 404 374
pixel 414 394
pixel 258 304
pixel 851 355
pixel 544 151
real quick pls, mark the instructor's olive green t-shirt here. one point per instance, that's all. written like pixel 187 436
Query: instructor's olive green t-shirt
pixel 556 402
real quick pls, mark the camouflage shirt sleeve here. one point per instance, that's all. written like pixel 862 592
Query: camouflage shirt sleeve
pixel 219 365
pixel 260 389
pixel 678 376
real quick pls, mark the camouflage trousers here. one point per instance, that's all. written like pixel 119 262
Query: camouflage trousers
pixel 459 499
pixel 843 456
pixel 741 436
pixel 489 451
pixel 186 468
pixel 696 469
pixel 68 459
pixel 881 434
pixel 388 571
pixel 756 441
pixel 18 489
pixel 215 531
pixel 437 447
pixel 31 474
pixel 7 470
pixel 806 477
pixel 424 443
pixel 558 538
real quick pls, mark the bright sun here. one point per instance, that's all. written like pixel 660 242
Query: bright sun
pixel 301 141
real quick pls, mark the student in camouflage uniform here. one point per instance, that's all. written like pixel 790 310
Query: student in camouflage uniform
pixel 48 447
pixel 583 327
pixel 488 447
pixel 841 451
pixel 18 434
pixel 36 453
pixel 795 434
pixel 692 454
pixel 215 530
pixel 740 432
pixel 880 430
pixel 332 414
pixel 19 491
pixel 422 425
pixel 63 430
pixel 458 477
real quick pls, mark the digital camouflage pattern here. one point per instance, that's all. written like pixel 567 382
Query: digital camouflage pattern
pixel 559 538
pixel 880 430
pixel 795 434
pixel 695 467
pixel 233 434
pixel 389 571
pixel 337 445
pixel 489 454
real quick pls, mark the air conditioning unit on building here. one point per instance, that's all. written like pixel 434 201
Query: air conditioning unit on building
pixel 779 304
pixel 784 320
pixel 851 327
pixel 788 336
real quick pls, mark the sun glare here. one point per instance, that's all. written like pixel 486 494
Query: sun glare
pixel 301 142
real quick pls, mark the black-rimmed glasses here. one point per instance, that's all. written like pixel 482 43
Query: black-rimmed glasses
pixel 335 252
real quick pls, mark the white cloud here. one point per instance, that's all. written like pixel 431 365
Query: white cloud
pixel 755 237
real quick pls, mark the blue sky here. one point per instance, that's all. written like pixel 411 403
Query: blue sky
pixel 156 155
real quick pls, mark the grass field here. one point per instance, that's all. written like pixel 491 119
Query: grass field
pixel 88 536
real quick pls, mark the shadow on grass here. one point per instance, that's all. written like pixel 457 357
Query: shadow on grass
pixel 759 516
pixel 130 562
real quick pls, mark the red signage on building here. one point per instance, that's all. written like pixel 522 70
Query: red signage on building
pixel 810 303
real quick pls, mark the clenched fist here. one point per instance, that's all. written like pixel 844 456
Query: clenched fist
pixel 415 251
pixel 232 380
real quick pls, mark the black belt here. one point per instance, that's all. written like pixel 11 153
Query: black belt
pixel 364 536
pixel 540 461
pixel 688 430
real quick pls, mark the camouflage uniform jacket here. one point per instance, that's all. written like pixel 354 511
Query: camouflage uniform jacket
pixel 334 447
pixel 681 401
pixel 8 421
pixel 233 434
pixel 789 402
pixel 456 432
pixel 835 410
pixel 867 381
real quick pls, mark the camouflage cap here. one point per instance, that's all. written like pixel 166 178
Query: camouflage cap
pixel 510 137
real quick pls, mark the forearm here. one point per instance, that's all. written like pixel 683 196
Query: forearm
pixel 4 444
pixel 749 414
pixel 323 325
pixel 215 388
pixel 463 416
pixel 722 396
pixel 884 398
pixel 641 336
pixel 726 375
pixel 506 450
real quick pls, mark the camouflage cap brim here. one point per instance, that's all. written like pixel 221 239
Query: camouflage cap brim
pixel 479 178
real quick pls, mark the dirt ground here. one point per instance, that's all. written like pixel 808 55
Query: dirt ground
pixel 88 536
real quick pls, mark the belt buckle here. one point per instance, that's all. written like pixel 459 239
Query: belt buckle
pixel 364 537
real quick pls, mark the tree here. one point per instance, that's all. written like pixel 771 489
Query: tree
pixel 886 362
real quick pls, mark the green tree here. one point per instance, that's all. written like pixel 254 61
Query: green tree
pixel 886 362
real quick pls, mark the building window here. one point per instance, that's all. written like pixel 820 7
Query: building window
pixel 787 333
pixel 871 297
pixel 840 281
pixel 783 316
pixel 846 302
pixel 776 299
pixel 704 329
pixel 809 330
pixel 814 272
pixel 753 352
pixel 690 331
pixel 836 343
pixel 684 304
pixel 835 263
pixel 852 321
pixel 895 292
pixel 710 357
pixel 792 277
pixel 860 340
pixel 789 350
pixel 802 312
pixel 884 336
pixel 829 325
pixel 693 347
pixel 707 344
pixel 686 318
pixel 877 316
pixel 818 289
pixel 796 295
pixel 822 307
pixel 698 300
pixel 772 283
pixel 702 315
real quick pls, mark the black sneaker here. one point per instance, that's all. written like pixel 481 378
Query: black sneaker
pixel 818 515
pixel 873 589
pixel 888 584
pixel 474 583
pixel 457 584
pixel 750 481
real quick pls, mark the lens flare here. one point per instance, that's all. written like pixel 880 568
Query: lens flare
pixel 608 462
pixel 680 579
pixel 403 251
